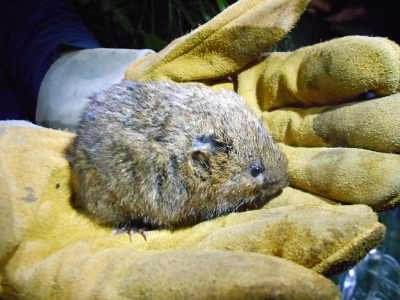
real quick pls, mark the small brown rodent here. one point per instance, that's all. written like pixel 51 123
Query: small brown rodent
pixel 172 154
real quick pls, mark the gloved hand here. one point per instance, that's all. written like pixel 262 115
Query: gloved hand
pixel 291 93
pixel 50 250
pixel 345 152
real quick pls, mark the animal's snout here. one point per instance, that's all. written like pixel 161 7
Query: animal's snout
pixel 271 186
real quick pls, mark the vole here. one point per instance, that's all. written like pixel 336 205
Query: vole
pixel 172 155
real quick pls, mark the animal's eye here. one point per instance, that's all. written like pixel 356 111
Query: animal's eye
pixel 256 169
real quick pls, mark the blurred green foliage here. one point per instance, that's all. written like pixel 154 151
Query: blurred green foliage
pixel 146 23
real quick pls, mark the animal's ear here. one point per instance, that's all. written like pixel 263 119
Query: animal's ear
pixel 210 144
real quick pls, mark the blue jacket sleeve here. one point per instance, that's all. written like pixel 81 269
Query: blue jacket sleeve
pixel 32 35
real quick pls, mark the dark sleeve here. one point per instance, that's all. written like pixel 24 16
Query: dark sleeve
pixel 32 35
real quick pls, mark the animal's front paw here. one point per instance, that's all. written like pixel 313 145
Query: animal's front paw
pixel 131 231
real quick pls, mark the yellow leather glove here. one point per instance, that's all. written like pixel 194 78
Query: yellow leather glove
pixel 291 93
pixel 49 250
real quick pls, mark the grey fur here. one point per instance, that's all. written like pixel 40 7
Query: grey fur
pixel 172 154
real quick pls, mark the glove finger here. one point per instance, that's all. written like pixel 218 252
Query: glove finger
pixel 226 43
pixel 327 73
pixel 372 125
pixel 354 176
pixel 326 239
pixel 78 272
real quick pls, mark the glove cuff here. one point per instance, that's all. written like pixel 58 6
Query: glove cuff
pixel 74 77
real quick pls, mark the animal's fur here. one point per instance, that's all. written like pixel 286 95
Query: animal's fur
pixel 172 154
